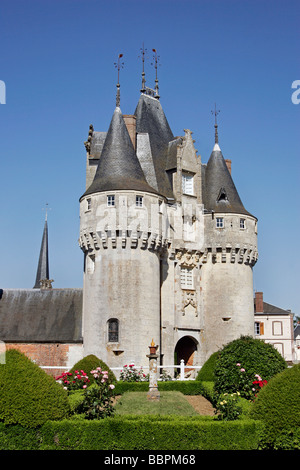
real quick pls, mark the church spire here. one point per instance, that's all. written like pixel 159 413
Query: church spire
pixel 42 275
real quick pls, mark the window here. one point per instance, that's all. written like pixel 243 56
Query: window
pixel 187 184
pixel 222 195
pixel 113 330
pixel 242 223
pixel 258 328
pixel 89 204
pixel 186 278
pixel 220 222
pixel 111 200
pixel 139 201
pixel 277 328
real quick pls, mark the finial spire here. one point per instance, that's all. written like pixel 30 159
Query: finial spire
pixel 156 59
pixel 43 264
pixel 215 112
pixel 46 211
pixel 143 53
pixel 118 66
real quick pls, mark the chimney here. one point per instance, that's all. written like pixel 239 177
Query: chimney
pixel 130 122
pixel 259 302
pixel 228 163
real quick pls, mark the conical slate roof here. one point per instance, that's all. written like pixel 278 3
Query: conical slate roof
pixel 151 119
pixel 220 194
pixel 119 167
pixel 43 265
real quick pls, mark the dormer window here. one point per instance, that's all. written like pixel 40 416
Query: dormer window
pixel 222 195
pixel 188 184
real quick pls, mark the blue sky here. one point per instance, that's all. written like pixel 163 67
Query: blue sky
pixel 57 62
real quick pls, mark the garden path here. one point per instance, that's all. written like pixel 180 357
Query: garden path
pixel 200 404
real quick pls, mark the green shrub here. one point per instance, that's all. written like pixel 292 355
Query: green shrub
pixel 91 362
pixel 151 432
pixel 239 361
pixel 278 406
pixel 98 399
pixel 206 373
pixel 28 396
pixel 228 407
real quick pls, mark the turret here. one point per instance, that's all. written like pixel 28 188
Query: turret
pixel 230 252
pixel 122 235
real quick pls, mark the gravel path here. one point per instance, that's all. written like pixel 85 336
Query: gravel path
pixel 200 404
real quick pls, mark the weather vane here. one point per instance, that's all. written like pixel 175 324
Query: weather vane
pixel 156 60
pixel 143 54
pixel 118 66
pixel 215 112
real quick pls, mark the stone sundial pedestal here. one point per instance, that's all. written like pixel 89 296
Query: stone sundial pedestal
pixel 153 393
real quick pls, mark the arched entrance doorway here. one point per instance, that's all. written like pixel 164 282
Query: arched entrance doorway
pixel 185 349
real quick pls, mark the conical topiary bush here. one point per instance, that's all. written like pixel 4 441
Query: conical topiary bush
pixel 28 396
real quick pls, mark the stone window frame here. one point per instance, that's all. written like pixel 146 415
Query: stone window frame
pixel 111 200
pixel 187 278
pixel 220 222
pixel 139 201
pixel 187 177
pixel 242 223
pixel 113 335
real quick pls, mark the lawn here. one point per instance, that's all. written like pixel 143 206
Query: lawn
pixel 170 403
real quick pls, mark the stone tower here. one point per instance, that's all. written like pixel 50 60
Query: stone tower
pixel 230 253
pixel 168 245
pixel 122 224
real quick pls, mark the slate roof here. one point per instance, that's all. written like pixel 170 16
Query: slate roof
pixel 118 167
pixel 97 143
pixel 220 193
pixel 297 331
pixel 271 309
pixel 151 119
pixel 41 315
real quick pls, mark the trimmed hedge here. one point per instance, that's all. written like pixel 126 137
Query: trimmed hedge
pixel 206 373
pixel 128 433
pixel 278 406
pixel 29 396
pixel 254 355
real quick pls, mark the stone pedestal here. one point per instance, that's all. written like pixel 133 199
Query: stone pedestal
pixel 153 393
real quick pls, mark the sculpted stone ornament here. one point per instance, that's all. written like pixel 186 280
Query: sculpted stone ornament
pixel 153 393
pixel 46 283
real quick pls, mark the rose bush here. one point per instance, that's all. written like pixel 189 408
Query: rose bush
pixel 98 398
pixel 73 381
pixel 131 374
pixel 227 407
